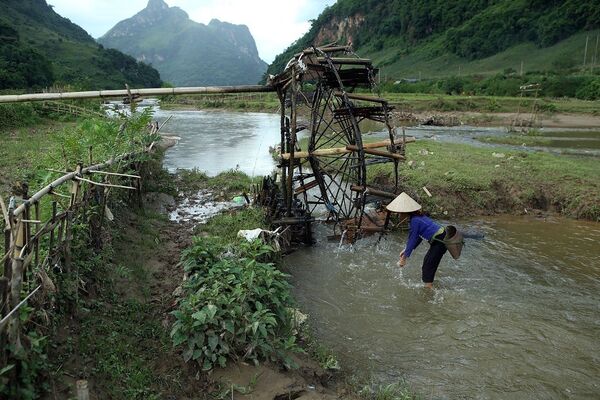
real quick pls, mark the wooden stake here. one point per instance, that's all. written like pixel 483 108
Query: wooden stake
pixel 16 283
pixel 587 38
pixel 82 390
pixel 37 231
pixel 4 284
pixel 53 221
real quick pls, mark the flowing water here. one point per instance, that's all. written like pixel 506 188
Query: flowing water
pixel 215 141
pixel 558 141
pixel 518 316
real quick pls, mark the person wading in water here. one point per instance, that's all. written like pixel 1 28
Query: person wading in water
pixel 421 227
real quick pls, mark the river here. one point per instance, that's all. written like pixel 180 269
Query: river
pixel 518 316
pixel 215 141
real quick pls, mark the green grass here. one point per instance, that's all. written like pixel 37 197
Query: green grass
pixel 467 180
pixel 229 183
pixel 390 391
pixel 485 104
pixel 117 342
pixel 516 140
pixel 258 102
pixel 226 226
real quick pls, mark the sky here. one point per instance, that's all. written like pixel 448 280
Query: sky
pixel 275 24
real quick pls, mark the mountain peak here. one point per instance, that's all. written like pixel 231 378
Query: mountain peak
pixel 157 5
pixel 188 53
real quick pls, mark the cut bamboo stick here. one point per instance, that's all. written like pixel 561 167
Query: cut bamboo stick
pixel 115 174
pixel 103 184
pixel 4 212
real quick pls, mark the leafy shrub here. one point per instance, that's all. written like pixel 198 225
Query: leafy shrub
pixel 18 115
pixel 590 91
pixel 236 306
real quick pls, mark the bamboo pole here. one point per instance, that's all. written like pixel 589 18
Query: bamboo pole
pixel 115 174
pixel 16 282
pixel 293 122
pixel 361 97
pixel 69 219
pixel 53 221
pixel 5 319
pixel 375 192
pixel 342 150
pixel 4 284
pixel 374 152
pixel 101 94
pixel 104 184
pixel 7 239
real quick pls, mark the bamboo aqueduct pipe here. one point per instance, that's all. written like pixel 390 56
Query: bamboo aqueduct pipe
pixel 101 94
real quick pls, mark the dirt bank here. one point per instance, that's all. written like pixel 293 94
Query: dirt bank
pixel 472 118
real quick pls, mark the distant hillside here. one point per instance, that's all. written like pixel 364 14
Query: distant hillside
pixel 409 38
pixel 39 48
pixel 185 52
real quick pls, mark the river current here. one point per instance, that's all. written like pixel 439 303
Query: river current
pixel 518 316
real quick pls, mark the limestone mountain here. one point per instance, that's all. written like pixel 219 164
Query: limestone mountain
pixel 40 48
pixel 188 53
pixel 441 38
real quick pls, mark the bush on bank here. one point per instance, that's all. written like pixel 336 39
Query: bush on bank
pixel 552 84
pixel 236 305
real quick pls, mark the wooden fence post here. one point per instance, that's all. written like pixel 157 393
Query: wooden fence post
pixel 4 309
pixel 53 220
pixel 16 282
pixel 69 219
pixel 7 244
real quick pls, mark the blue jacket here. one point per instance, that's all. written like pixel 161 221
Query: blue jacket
pixel 421 227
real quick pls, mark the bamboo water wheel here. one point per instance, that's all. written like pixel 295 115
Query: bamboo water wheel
pixel 333 88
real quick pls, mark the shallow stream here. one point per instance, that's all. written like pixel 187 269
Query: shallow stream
pixel 518 316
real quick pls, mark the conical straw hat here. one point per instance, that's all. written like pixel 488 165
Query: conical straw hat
pixel 403 204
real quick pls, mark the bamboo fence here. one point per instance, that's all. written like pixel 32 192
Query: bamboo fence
pixel 24 268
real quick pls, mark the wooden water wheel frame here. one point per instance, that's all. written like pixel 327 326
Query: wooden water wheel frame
pixel 336 161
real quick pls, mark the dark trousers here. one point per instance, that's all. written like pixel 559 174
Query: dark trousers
pixel 433 257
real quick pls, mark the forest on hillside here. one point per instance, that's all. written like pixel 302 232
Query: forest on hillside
pixel 469 29
pixel 39 48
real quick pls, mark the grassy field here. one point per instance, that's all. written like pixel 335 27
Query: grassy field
pixel 258 102
pixel 407 102
pixel 467 180
pixel 487 104
pixel 420 64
